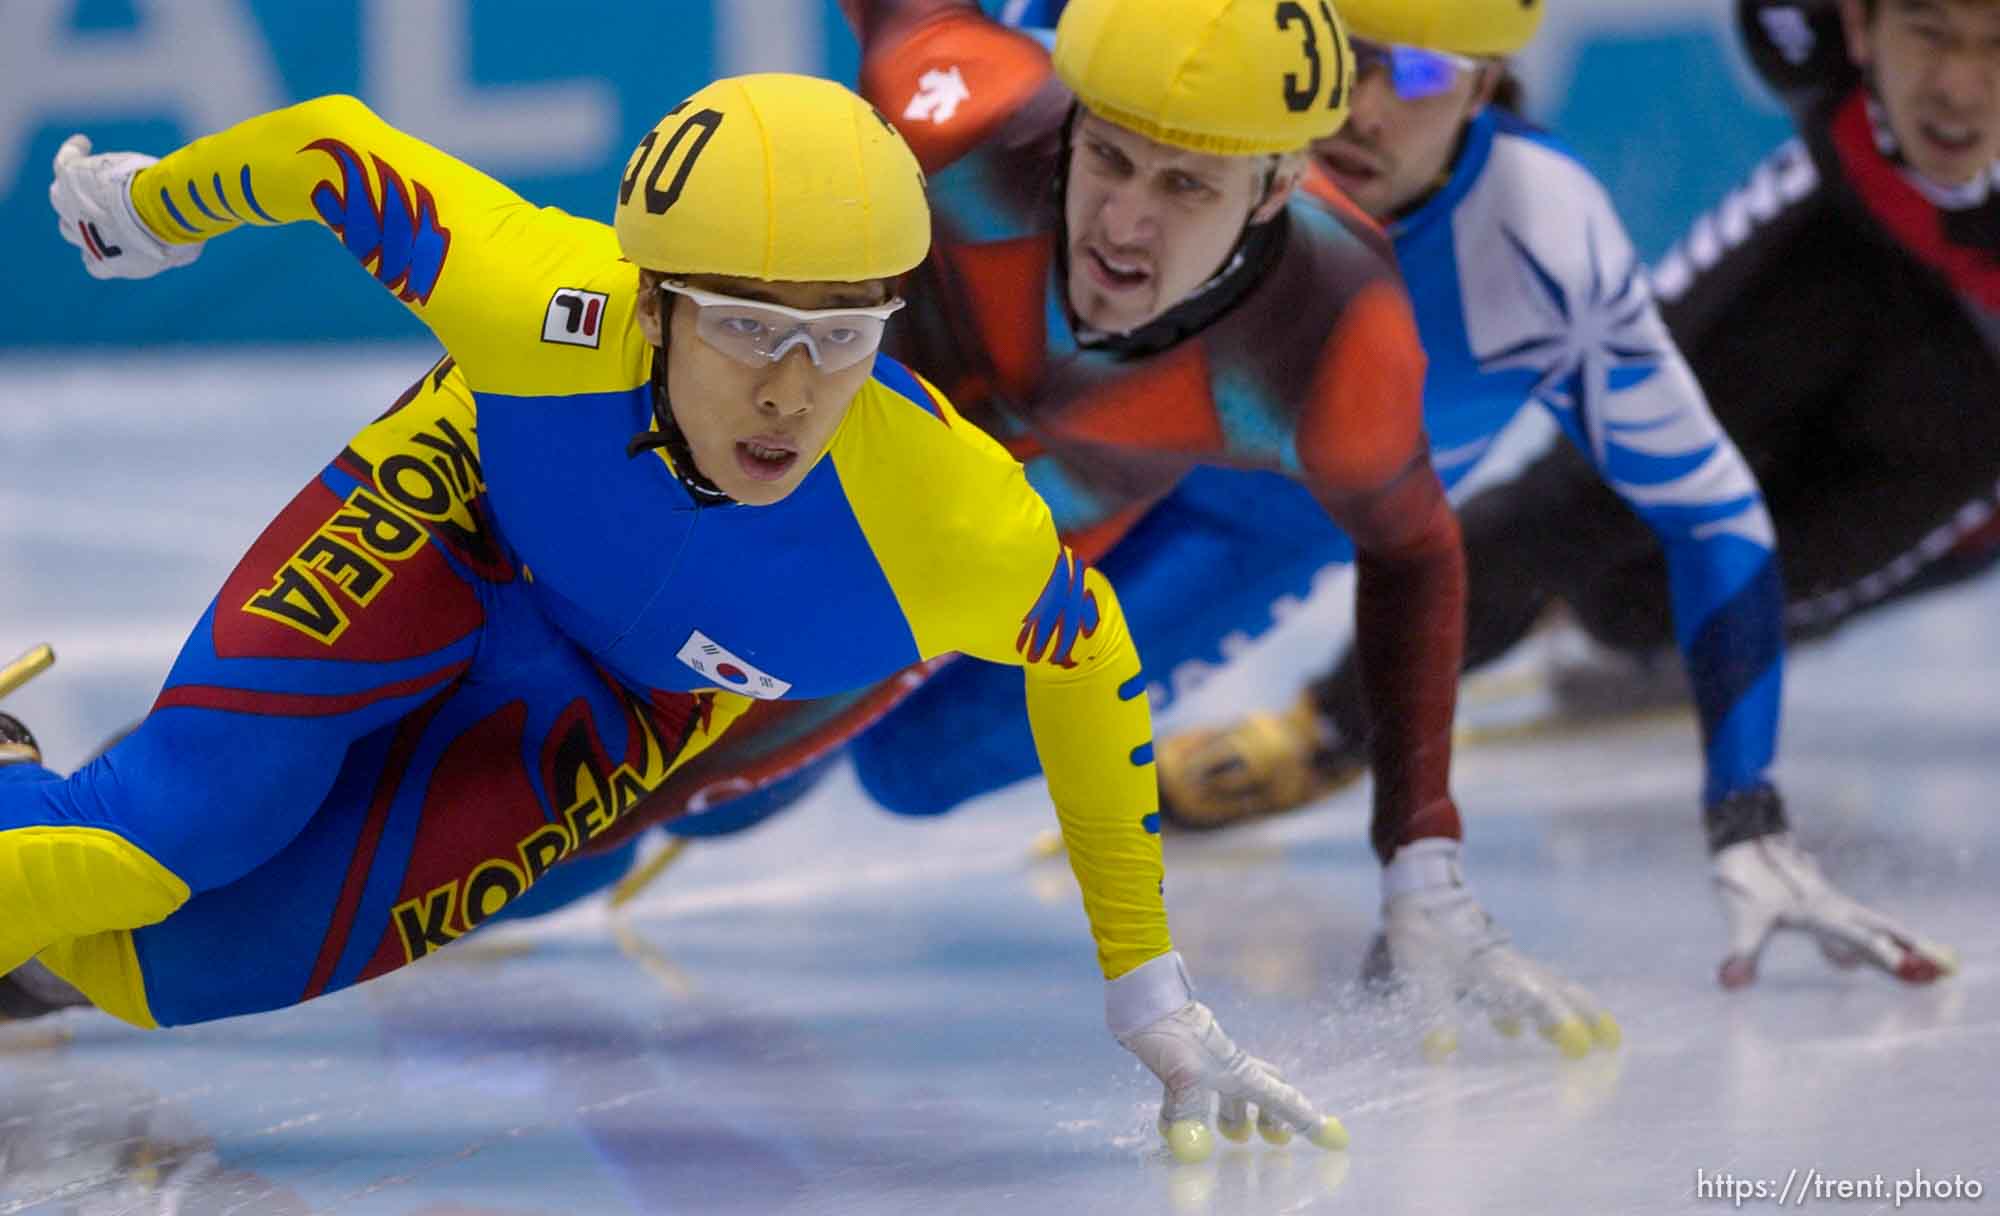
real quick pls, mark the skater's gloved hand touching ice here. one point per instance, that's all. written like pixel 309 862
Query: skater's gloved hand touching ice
pixel 1766 883
pixel 1152 1011
pixel 92 196
pixel 1440 947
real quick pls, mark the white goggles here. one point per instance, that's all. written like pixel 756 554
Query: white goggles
pixel 755 333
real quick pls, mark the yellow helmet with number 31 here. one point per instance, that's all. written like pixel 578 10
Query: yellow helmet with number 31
pixel 1234 77
pixel 776 177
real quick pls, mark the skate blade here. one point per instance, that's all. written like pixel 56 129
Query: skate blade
pixel 634 884
pixel 25 668
pixel 651 959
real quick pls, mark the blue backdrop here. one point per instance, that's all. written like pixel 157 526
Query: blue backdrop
pixel 551 98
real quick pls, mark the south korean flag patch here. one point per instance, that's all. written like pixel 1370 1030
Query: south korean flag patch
pixel 575 318
pixel 727 671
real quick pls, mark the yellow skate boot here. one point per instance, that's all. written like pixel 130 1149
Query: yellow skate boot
pixel 1267 764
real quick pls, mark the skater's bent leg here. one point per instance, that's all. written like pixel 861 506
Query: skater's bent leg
pixel 434 826
pixel 348 613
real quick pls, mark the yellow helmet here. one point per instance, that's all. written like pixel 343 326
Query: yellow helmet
pixel 1460 27
pixel 1223 76
pixel 776 177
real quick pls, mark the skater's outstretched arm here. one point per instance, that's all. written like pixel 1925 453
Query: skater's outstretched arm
pixel 987 575
pixel 464 253
pixel 1362 446
pixel 1643 421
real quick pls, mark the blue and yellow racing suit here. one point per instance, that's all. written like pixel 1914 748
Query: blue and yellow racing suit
pixel 484 631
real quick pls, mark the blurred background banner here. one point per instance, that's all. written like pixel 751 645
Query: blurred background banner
pixel 1652 93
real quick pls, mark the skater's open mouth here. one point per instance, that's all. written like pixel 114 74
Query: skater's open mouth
pixel 766 457
pixel 1114 272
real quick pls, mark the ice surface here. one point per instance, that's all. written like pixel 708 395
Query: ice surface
pixel 850 1013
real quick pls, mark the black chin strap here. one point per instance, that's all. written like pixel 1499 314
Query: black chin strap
pixel 669 436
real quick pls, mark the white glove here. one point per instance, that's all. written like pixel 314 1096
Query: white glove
pixel 92 196
pixel 1438 941
pixel 1769 883
pixel 1152 1011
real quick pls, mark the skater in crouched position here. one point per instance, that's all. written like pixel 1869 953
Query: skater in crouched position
pixel 660 474
pixel 1833 314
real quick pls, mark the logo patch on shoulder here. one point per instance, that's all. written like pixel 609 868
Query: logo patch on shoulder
pixel 575 318
pixel 938 96
pixel 713 661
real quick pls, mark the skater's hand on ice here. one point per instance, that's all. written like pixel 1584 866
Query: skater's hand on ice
pixel 1769 883
pixel 92 196
pixel 1197 1063
pixel 1440 947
